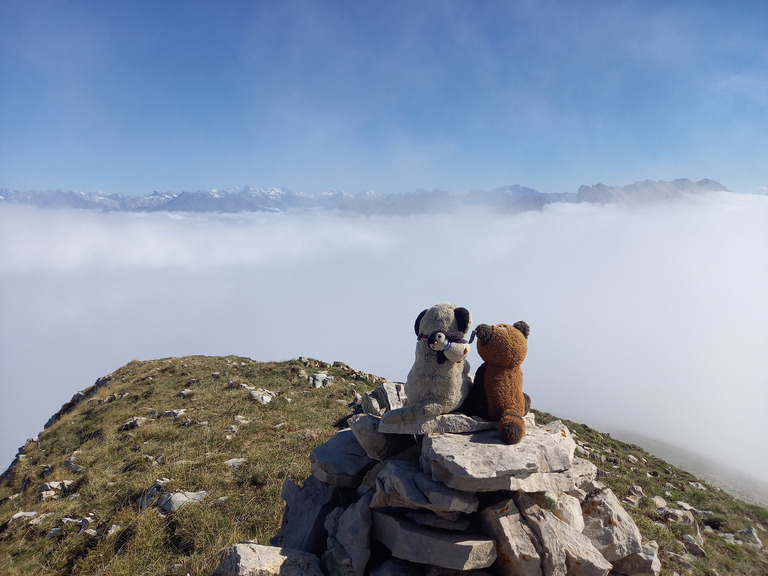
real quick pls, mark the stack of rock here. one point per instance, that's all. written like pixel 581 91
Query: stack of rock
pixel 446 496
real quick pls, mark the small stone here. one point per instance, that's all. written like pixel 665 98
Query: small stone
pixel 320 380
pixel 252 559
pixel 235 463
pixel 260 397
pixel 133 423
pixel 750 537
pixel 171 502
pixel 697 485
pixel 693 547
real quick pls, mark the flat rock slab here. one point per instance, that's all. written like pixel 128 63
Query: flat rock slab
pixel 340 461
pixel 252 559
pixel 403 484
pixel 453 423
pixel 453 550
pixel 481 462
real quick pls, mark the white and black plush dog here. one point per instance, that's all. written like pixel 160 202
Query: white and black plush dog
pixel 439 380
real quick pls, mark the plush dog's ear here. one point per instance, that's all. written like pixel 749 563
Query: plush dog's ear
pixel 462 318
pixel 418 321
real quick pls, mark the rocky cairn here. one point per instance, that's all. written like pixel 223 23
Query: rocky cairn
pixel 445 496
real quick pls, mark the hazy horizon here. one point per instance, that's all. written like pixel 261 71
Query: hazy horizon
pixel 650 319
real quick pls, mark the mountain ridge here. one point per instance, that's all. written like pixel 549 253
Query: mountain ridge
pixel 511 198
pixel 225 433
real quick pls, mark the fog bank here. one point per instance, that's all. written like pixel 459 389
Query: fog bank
pixel 654 319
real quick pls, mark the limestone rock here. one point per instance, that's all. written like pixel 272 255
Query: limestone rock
pixel 170 502
pixel 349 539
pixel 235 463
pixel 567 508
pixel 152 494
pixel 22 517
pixel 73 466
pixel 609 526
pixel 453 423
pixel 252 559
pixel 645 563
pixel 517 554
pixel 388 396
pixel 133 423
pixel 403 484
pixel 340 461
pixel 693 546
pixel 303 515
pixel 481 462
pixel 454 550
pixel 378 446
pixel 564 550
pixel 320 380
pixel 447 521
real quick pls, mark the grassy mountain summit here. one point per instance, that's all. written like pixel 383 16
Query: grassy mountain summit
pixel 228 431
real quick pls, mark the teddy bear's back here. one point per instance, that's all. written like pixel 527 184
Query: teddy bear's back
pixel 504 390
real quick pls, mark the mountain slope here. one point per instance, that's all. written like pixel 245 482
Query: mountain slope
pixel 80 498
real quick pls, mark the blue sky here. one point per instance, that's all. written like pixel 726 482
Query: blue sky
pixel 390 96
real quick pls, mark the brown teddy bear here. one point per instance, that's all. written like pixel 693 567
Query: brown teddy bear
pixel 497 393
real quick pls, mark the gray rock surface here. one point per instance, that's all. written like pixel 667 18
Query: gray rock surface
pixel 481 462
pixel 252 559
pixel 645 563
pixel 388 396
pixel 452 423
pixel 517 554
pixel 564 550
pixel 170 502
pixel 349 539
pixel 609 526
pixel 304 513
pixel 378 446
pixel 341 461
pixel 454 550
pixel 402 484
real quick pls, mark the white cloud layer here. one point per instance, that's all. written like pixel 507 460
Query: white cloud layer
pixel 653 320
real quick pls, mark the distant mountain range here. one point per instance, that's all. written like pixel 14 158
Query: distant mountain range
pixel 511 199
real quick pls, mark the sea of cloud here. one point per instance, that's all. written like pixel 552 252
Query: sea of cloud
pixel 652 320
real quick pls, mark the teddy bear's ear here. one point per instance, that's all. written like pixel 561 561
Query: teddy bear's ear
pixel 523 327
pixel 418 321
pixel 463 319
